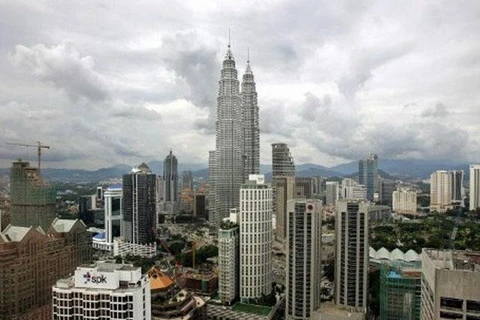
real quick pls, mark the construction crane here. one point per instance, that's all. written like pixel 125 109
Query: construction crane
pixel 39 147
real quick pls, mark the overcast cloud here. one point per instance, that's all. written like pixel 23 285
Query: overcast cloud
pixel 105 82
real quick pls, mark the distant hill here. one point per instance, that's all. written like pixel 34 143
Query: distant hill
pixel 407 168
pixel 389 170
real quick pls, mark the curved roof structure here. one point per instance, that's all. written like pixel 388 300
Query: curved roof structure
pixel 159 280
pixel 395 255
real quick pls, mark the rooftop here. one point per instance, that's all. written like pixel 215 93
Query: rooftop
pixel 158 280
pixel 454 260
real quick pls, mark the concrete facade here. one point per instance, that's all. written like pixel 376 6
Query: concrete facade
pixel 450 285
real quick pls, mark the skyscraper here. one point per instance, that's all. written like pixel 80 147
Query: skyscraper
pixel 303 258
pixel 283 191
pixel 170 178
pixel 113 213
pixel 404 201
pixel 256 238
pixel 228 258
pixel 251 129
pixel 474 186
pixel 283 184
pixel 351 264
pixel 228 160
pixel 331 193
pixel 32 199
pixel 187 180
pixel 139 209
pixel 282 161
pixel 367 174
pixel 445 189
pixel 304 187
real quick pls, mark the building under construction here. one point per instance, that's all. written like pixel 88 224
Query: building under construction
pixel 32 199
pixel 400 291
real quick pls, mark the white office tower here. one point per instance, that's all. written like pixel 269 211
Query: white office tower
pixel 229 174
pixel 251 127
pixel 304 272
pixel 256 237
pixel 351 263
pixel 113 214
pixel 474 186
pixel 356 192
pixel 445 190
pixel 331 193
pixel 228 258
pixel 450 285
pixel 347 183
pixel 404 201
pixel 103 291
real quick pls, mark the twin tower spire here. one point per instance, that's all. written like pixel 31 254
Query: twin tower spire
pixel 237 129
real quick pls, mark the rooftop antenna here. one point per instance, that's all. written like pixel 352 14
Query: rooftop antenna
pixel 248 54
pixel 228 37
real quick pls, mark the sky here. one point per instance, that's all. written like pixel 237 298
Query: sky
pixel 121 82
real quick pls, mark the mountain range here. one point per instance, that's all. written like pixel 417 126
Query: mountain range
pixel 409 168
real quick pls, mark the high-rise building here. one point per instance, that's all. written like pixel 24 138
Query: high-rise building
pixel 32 200
pixel 103 291
pixel 404 201
pixel 387 191
pixel 31 260
pixel 284 190
pixel 283 184
pixel 282 161
pixel 187 180
pixel 445 189
pixel 250 121
pixel 256 238
pixel 317 186
pixel 199 205
pixel 170 179
pixel 367 174
pixel 229 159
pixel 400 291
pixel 139 210
pixel 331 193
pixel 450 282
pixel 228 258
pixel 347 183
pixel 304 270
pixel 352 250
pixel 356 192
pixel 303 188
pixel 113 215
pixel 474 186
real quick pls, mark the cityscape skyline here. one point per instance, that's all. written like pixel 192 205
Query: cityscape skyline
pixel 348 69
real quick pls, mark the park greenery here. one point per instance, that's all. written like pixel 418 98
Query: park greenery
pixel 435 231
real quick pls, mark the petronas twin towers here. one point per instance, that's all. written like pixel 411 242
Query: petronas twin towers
pixel 237 139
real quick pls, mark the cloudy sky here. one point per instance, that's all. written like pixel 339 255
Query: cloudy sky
pixel 110 82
